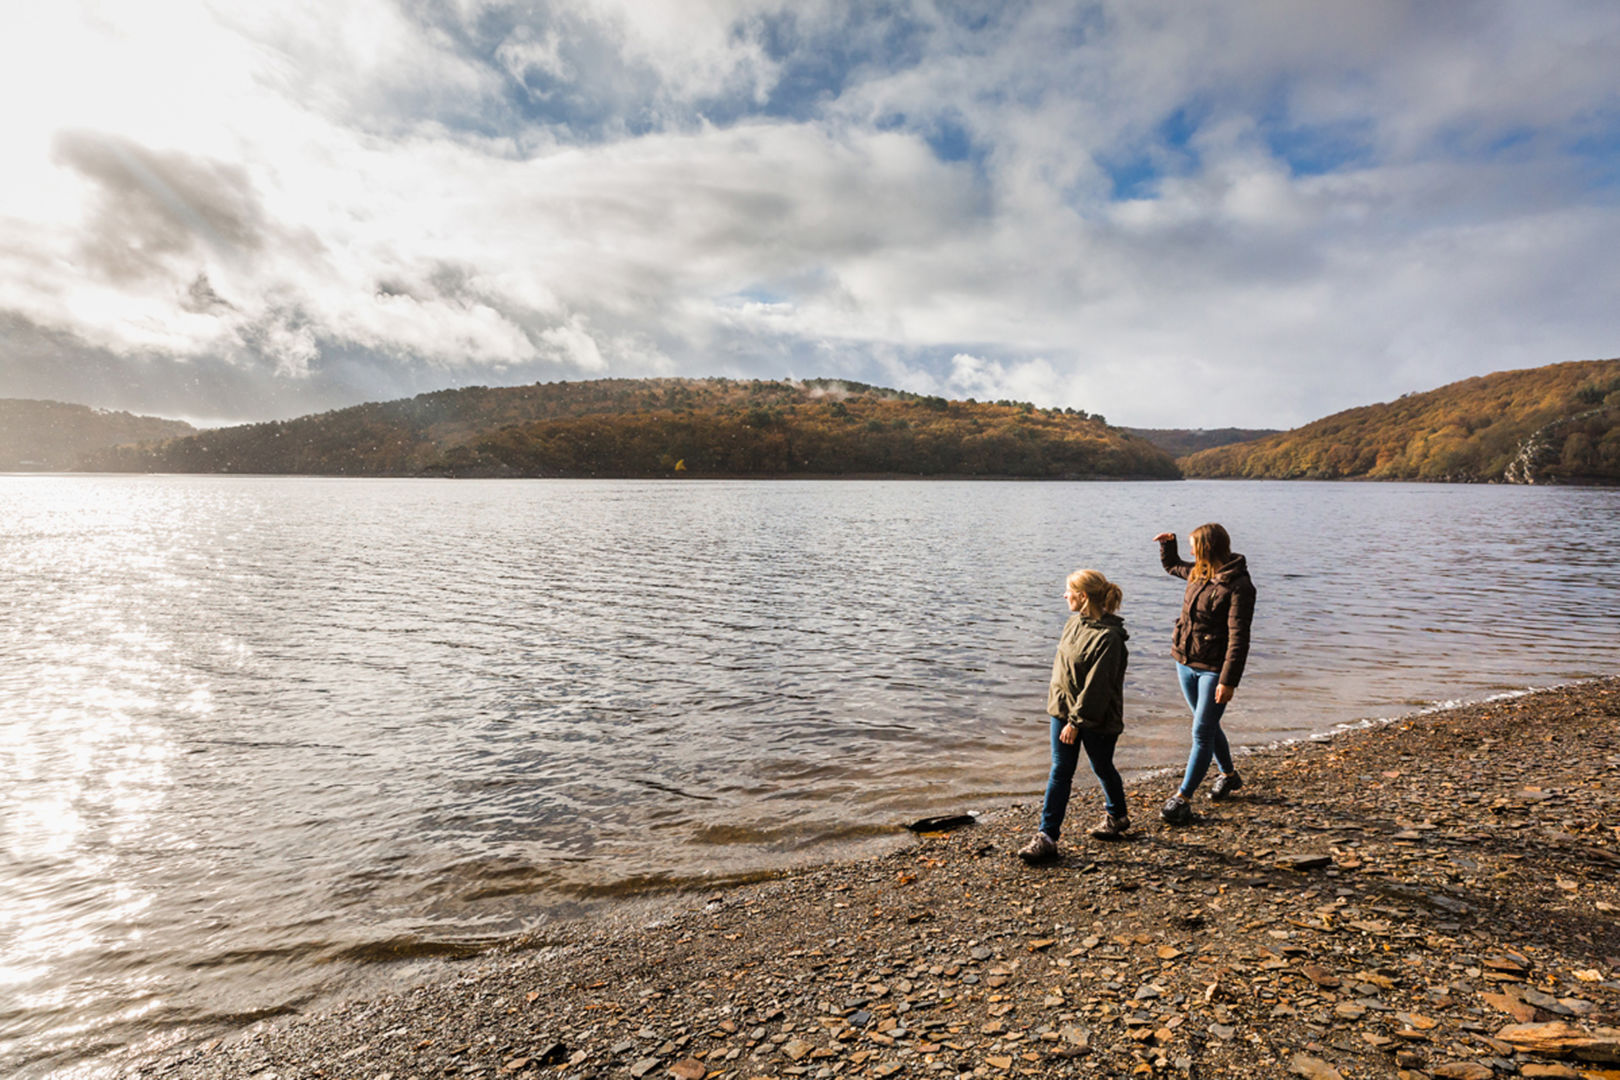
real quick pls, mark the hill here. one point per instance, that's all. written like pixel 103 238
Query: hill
pixel 51 435
pixel 665 427
pixel 1554 424
pixel 1179 442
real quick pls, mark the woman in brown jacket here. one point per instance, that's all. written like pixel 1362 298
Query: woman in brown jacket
pixel 1210 646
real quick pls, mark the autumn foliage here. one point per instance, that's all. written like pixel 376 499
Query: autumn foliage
pixel 1559 423
pixel 666 427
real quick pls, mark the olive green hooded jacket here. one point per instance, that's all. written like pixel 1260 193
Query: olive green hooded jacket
pixel 1088 674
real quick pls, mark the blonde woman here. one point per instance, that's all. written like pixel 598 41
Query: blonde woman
pixel 1210 646
pixel 1087 707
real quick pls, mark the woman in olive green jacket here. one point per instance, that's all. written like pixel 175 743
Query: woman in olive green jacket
pixel 1087 705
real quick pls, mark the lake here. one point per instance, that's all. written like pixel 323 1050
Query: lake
pixel 266 740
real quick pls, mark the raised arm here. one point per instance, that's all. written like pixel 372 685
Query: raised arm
pixel 1169 557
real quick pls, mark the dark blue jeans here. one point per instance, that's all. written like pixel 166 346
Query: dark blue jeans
pixel 1208 740
pixel 1065 756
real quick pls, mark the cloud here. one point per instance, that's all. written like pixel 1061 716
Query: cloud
pixel 150 207
pixel 1247 213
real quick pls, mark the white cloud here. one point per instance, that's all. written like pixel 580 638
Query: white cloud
pixel 1246 213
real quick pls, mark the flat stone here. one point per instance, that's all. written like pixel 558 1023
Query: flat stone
pixel 1549 1072
pixel 1301 862
pixel 1546 1001
pixel 1313 1068
pixel 1463 1070
pixel 796 1049
pixel 1559 1039
pixel 643 1067
pixel 1321 976
pixel 688 1069
pixel 1507 1003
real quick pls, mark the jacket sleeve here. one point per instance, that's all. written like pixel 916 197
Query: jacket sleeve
pixel 1170 559
pixel 1239 617
pixel 1101 681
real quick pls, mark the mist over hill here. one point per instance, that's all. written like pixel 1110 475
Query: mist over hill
pixel 1553 424
pixel 666 427
pixel 53 435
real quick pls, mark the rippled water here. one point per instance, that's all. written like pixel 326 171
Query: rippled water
pixel 259 735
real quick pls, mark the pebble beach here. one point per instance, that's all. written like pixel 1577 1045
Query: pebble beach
pixel 1438 896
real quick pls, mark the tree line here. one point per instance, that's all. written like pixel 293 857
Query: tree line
pixel 666 427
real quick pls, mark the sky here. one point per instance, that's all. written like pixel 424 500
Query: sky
pixel 1249 212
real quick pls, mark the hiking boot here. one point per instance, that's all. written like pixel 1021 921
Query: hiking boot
pixel 1111 827
pixel 1041 849
pixel 1224 785
pixel 1177 811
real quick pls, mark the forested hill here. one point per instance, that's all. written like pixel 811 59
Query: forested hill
pixel 48 435
pixel 1555 424
pixel 666 427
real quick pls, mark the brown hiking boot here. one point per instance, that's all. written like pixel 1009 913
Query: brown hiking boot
pixel 1111 827
pixel 1041 849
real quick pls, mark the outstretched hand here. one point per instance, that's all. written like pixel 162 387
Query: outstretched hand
pixel 1162 537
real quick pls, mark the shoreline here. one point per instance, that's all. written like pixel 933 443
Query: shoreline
pixel 1397 898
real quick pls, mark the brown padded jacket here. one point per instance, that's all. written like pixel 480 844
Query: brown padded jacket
pixel 1212 631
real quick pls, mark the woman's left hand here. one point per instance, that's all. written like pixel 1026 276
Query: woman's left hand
pixel 1069 734
pixel 1223 694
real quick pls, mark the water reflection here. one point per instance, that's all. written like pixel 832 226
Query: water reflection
pixel 261 733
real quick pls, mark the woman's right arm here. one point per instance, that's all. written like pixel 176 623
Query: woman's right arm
pixel 1169 557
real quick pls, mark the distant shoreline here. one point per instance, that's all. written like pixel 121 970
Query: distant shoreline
pixel 1090 478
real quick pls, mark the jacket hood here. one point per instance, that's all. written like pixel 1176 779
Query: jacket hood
pixel 1108 623
pixel 1237 566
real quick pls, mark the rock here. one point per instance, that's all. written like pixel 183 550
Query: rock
pixel 1463 1070
pixel 1512 963
pixel 643 1067
pixel 1321 976
pixel 1546 1001
pixel 942 824
pixel 1301 862
pixel 1519 1010
pixel 1559 1039
pixel 688 1069
pixel 796 1049
pixel 1313 1068
pixel 1549 1072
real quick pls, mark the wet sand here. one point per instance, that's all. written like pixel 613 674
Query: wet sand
pixel 1436 897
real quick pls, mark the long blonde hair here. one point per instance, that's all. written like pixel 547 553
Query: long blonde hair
pixel 1102 597
pixel 1211 550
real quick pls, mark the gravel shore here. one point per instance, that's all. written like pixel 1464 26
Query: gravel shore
pixel 1436 897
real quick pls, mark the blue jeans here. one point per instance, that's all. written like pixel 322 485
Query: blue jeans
pixel 1208 740
pixel 1065 756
